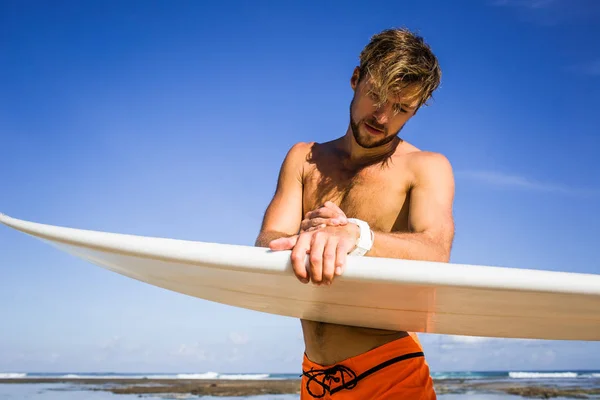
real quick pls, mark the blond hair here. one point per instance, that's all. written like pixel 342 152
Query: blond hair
pixel 400 63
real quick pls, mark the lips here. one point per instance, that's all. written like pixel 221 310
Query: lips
pixel 374 130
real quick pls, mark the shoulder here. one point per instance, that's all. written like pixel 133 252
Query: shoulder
pixel 428 166
pixel 429 159
pixel 299 151
pixel 295 160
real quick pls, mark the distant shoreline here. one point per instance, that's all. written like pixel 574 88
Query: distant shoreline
pixel 239 387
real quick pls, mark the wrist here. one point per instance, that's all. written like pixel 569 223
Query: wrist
pixel 354 232
pixel 364 236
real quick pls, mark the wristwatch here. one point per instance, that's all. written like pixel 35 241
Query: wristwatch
pixel 365 240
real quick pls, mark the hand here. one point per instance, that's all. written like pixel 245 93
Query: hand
pixel 327 215
pixel 327 248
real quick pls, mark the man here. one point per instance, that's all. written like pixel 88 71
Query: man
pixel 367 193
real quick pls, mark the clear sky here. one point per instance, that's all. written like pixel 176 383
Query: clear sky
pixel 171 119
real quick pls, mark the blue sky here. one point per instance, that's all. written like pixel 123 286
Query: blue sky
pixel 171 119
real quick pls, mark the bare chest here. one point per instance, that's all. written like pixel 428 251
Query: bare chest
pixel 376 194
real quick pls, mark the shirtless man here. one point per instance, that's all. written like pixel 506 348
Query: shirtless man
pixel 367 193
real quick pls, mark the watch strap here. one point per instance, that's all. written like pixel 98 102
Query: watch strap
pixel 365 239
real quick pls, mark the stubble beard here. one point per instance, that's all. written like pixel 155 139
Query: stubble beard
pixel 363 141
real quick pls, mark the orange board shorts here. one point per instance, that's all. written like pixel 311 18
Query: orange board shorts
pixel 395 370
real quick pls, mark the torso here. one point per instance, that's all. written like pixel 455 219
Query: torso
pixel 378 194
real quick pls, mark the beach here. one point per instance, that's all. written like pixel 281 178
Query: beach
pixel 288 388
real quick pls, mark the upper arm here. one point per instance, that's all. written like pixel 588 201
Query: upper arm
pixel 431 199
pixel 284 212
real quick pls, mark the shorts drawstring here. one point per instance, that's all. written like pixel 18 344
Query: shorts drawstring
pixel 328 375
pixel 324 377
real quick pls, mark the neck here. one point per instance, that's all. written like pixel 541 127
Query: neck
pixel 360 155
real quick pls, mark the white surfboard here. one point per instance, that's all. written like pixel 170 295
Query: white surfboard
pixel 380 293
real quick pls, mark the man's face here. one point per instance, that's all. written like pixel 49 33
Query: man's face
pixel 374 126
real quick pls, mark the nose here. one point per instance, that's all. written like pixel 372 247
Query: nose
pixel 381 114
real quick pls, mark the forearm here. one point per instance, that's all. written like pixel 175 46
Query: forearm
pixel 409 246
pixel 265 237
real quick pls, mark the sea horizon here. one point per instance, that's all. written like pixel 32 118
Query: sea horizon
pixel 438 375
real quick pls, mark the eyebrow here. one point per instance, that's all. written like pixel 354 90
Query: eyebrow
pixel 408 106
pixel 403 105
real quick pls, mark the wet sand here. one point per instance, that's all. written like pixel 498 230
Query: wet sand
pixel 528 389
pixel 222 387
pixel 216 387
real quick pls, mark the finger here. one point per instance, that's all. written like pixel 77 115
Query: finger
pixel 298 257
pixel 338 221
pixel 321 212
pixel 339 217
pixel 284 243
pixel 343 248
pixel 314 222
pixel 314 228
pixel 316 256
pixel 329 259
pixel 335 207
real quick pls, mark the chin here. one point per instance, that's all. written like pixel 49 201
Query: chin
pixel 369 143
pixel 368 140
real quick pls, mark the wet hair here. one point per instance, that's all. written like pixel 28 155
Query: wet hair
pixel 400 63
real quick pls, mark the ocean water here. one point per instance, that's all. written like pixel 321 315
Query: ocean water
pixel 72 391
pixel 553 376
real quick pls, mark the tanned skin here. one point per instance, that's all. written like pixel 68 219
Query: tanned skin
pixel 370 173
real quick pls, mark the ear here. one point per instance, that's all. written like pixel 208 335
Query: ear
pixel 355 78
